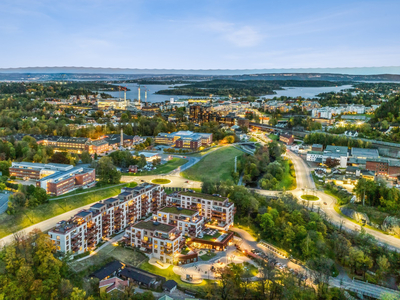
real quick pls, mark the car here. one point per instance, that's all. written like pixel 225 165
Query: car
pixel 325 203
pixel 141 180
pixel 187 181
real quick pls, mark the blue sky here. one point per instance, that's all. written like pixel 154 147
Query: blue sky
pixel 199 34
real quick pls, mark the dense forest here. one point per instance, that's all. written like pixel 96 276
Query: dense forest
pixel 307 235
pixel 241 88
pixel 336 140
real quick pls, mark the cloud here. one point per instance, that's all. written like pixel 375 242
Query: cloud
pixel 240 36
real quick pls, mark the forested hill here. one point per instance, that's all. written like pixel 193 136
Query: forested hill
pixel 240 88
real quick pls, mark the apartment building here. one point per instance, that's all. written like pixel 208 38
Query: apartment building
pixel 103 219
pixel 156 239
pixel 211 207
pixel 188 221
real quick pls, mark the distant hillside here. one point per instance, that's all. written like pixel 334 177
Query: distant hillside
pixel 112 74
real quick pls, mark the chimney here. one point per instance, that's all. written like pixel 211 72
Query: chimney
pixel 139 94
pixel 145 96
pixel 121 143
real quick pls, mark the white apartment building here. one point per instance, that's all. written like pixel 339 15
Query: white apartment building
pixel 188 221
pixel 314 156
pixel 87 228
pixel 156 239
pixel 210 207
pixel 339 153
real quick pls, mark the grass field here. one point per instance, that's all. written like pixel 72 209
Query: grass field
pixel 162 169
pixel 208 256
pixel 273 137
pixel 218 165
pixel 309 197
pixel 110 252
pixel 169 274
pixel 288 182
pixel 204 152
pixel 27 217
pixel 161 181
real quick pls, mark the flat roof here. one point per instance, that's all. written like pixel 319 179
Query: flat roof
pixel 336 149
pixel 315 152
pixel 364 152
pixel 203 196
pixel 153 226
pixel 177 211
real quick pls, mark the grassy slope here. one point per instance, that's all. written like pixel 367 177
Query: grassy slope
pixel 169 274
pixel 27 217
pixel 218 165
pixel 163 169
pixel 288 182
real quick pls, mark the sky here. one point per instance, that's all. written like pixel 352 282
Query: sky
pixel 199 34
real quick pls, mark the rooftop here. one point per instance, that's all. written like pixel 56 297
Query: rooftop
pixel 203 196
pixel 336 149
pixel 177 211
pixel 107 270
pixel 364 152
pixel 149 225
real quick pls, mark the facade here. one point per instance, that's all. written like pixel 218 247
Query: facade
pixel 317 147
pixel 385 167
pixel 188 221
pixel 286 138
pixel 341 154
pixel 62 182
pixel 89 227
pixel 159 240
pixel 217 209
pixel 314 156
pixel 185 139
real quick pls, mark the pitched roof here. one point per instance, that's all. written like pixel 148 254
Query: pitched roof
pixel 107 270
pixel 138 275
pixel 170 284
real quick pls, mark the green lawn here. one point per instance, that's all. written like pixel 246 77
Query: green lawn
pixel 208 256
pixel 204 152
pixel 207 237
pixel 169 274
pixel 218 165
pixel 105 255
pixel 309 197
pixel 273 137
pixel 80 191
pixel 161 181
pixel 162 169
pixel 27 217
pixel 288 182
